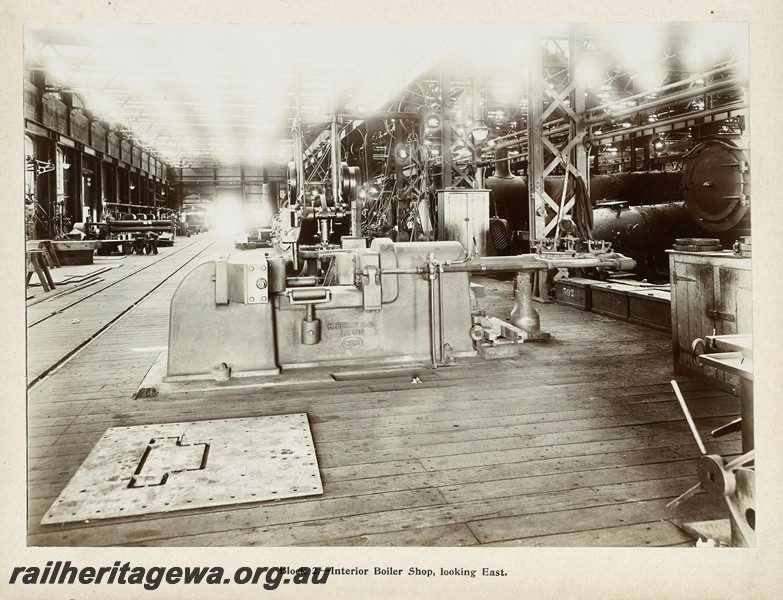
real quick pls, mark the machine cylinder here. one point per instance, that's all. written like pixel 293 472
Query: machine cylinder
pixel 277 269
pixel 651 228
pixel 712 196
pixel 523 315
pixel 643 233
pixel 508 194
pixel 311 327
pixel 638 188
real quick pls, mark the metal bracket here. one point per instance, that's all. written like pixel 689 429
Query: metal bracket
pixel 371 287
pixel 221 281
pixel 248 283
pixel 676 278
pixel 598 246
pixel 723 316
pixel 309 295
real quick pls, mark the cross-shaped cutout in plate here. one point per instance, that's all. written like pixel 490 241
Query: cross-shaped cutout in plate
pixel 159 468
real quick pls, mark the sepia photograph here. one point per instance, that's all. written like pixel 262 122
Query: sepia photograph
pixel 355 308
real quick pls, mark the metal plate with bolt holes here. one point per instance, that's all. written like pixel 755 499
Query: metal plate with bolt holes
pixel 160 468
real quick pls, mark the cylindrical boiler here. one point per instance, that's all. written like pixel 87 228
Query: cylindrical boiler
pixel 643 233
pixel 508 199
pixel 717 186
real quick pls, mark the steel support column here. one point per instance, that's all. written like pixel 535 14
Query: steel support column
pixel 547 153
pixel 535 135
pixel 335 157
pixel 579 154
pixel 445 124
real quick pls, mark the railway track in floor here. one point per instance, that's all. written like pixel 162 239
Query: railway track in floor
pixel 97 291
pixel 65 329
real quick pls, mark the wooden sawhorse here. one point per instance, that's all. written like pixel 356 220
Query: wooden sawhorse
pixel 37 263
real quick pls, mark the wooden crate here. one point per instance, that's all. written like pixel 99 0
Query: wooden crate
pixel 650 307
pixel 74 252
pixel 574 291
pixel 610 299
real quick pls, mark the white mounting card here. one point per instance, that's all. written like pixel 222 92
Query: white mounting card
pixel 158 468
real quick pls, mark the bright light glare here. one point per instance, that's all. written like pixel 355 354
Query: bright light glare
pixel 649 80
pixel 639 45
pixel 589 72
pixel 227 217
pixel 711 43
pixel 509 89
pixel 261 215
pixel 433 121
pixel 178 87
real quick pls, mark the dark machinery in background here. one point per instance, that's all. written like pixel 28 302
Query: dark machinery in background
pixel 195 220
pixel 323 218
pixel 642 214
pixel 129 233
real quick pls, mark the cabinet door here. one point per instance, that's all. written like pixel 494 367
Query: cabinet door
pixel 733 302
pixel 693 288
pixel 463 216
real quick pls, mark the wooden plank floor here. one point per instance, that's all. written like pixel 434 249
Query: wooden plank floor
pixel 59 323
pixel 578 442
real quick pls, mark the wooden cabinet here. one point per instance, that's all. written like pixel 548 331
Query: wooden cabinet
pixel 711 295
pixel 463 216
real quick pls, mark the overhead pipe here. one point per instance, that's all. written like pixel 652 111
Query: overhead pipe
pixel 669 86
pixel 522 144
pixel 735 106
pixel 594 119
pixel 663 101
pixel 685 95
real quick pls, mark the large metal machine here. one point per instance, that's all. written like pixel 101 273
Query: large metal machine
pixel 254 320
pixel 258 312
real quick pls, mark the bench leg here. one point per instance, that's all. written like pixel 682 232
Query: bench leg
pixel 48 275
pixel 41 277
